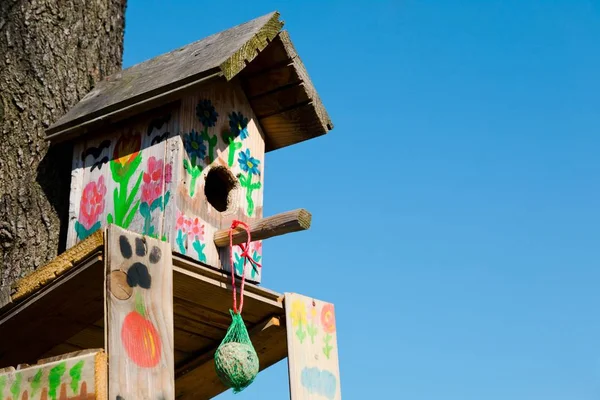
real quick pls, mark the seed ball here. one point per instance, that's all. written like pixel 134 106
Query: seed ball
pixel 236 364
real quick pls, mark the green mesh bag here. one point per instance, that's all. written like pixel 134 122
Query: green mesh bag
pixel 236 360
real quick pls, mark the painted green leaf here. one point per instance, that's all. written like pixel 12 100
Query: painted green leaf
pixel 145 209
pixel 75 374
pixel 36 382
pixel 54 378
pixel 2 385
pixel 15 388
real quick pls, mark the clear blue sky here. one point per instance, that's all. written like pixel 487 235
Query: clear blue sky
pixel 456 204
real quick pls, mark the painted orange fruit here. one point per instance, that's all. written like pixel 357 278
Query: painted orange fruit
pixel 141 340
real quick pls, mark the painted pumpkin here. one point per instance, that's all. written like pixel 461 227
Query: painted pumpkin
pixel 141 340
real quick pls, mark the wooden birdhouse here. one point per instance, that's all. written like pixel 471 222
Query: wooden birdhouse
pixel 174 148
pixel 168 158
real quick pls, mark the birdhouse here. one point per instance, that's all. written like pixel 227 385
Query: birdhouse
pixel 174 148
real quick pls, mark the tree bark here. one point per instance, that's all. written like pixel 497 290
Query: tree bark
pixel 51 54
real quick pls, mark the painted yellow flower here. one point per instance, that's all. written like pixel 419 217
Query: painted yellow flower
pixel 298 313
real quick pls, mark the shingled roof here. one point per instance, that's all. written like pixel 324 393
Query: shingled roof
pixel 257 52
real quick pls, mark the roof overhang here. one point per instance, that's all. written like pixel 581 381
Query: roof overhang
pixel 258 53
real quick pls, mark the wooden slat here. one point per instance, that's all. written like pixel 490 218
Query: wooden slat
pixel 70 377
pixel 271 79
pixel 139 317
pixel 312 348
pixel 217 296
pixel 276 225
pixel 289 114
pixel 198 380
pixel 293 126
pixel 67 305
pixel 57 267
pixel 284 98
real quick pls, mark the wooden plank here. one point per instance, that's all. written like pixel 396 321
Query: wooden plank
pixel 139 316
pixel 312 348
pixel 281 99
pixel 227 51
pixel 68 305
pixel 293 126
pixel 276 225
pixel 79 377
pixel 197 379
pixel 217 296
pixel 271 79
pixel 57 267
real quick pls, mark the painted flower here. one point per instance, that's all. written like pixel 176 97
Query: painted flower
pixel 248 163
pixel 154 179
pixel 92 203
pixel 298 313
pixel 238 124
pixel 206 113
pixel 328 318
pixel 257 246
pixel 194 145
pixel 127 148
pixel 197 229
pixel 181 222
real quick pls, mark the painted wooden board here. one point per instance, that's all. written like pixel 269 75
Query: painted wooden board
pixel 155 174
pixel 139 317
pixel 80 377
pixel 121 177
pixel 312 349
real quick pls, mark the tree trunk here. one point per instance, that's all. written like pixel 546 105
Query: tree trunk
pixel 51 54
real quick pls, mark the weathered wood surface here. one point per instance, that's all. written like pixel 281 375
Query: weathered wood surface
pixel 52 313
pixel 139 316
pixel 123 176
pixel 57 267
pixel 197 379
pixel 70 377
pixel 273 75
pixel 276 225
pixel 312 348
pixel 226 51
pixel 151 175
pixel 283 96
pixel 230 140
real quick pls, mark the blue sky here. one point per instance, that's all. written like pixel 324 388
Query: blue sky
pixel 456 203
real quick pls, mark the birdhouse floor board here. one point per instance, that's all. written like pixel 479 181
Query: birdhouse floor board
pixel 65 315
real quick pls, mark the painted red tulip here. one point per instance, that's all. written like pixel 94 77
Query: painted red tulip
pixel 141 340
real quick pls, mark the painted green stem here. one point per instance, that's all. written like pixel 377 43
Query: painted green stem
pixel 250 187
pixel 124 213
pixel 327 348
pixel 212 143
pixel 181 239
pixel 233 147
pixel 194 171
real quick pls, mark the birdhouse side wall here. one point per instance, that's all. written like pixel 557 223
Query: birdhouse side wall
pixel 151 175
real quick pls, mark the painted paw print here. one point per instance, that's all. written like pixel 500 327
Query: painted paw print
pixel 123 281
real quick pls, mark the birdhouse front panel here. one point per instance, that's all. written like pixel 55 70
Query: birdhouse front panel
pixel 179 173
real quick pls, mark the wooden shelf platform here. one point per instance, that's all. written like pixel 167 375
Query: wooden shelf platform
pixel 60 309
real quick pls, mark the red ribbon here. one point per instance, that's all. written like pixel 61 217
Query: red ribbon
pixel 245 249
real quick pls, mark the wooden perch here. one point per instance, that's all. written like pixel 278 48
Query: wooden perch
pixel 280 224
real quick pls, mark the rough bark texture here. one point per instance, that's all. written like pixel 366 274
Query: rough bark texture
pixel 51 54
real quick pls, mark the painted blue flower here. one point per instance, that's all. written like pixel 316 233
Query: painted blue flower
pixel 206 113
pixel 194 145
pixel 248 163
pixel 238 124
